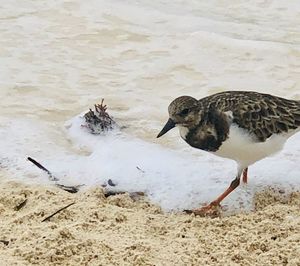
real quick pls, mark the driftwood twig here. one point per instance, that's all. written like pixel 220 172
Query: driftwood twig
pixel 51 177
pixel 50 216
pixel 132 195
pixel 70 189
pixel 21 205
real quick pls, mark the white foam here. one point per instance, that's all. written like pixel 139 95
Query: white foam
pixel 174 179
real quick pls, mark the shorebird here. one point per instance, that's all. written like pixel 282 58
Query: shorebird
pixel 244 126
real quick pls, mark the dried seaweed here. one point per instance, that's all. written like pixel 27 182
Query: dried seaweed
pixel 99 121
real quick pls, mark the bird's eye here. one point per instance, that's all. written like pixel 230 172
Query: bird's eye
pixel 184 112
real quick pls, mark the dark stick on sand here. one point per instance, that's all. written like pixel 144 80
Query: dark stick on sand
pixel 132 195
pixel 21 205
pixel 63 208
pixel 70 189
pixel 113 193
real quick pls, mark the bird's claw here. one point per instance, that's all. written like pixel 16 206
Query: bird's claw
pixel 212 210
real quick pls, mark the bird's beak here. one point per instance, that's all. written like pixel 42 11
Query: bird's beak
pixel 168 126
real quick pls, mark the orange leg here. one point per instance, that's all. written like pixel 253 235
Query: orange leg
pixel 205 210
pixel 245 175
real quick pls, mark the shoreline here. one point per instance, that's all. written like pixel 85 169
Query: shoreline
pixel 121 231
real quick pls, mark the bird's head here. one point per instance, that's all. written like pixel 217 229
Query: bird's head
pixel 184 111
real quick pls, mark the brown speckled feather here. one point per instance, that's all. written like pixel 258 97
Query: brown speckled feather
pixel 261 114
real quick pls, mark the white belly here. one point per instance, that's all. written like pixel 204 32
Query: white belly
pixel 240 146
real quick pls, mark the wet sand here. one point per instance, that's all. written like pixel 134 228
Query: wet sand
pixel 119 230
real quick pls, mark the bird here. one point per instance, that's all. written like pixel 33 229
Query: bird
pixel 244 126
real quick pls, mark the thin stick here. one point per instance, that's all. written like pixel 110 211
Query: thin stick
pixel 140 169
pixel 51 177
pixel 21 205
pixel 70 189
pixel 48 217
pixel 131 194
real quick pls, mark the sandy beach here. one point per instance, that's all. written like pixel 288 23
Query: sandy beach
pixel 59 58
pixel 119 230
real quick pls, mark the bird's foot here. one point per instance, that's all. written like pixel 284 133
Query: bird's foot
pixel 211 210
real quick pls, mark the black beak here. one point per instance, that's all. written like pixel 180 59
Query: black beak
pixel 168 126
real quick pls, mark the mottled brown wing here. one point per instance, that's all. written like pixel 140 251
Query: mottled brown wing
pixel 265 115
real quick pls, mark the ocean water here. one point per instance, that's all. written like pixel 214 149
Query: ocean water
pixel 58 58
